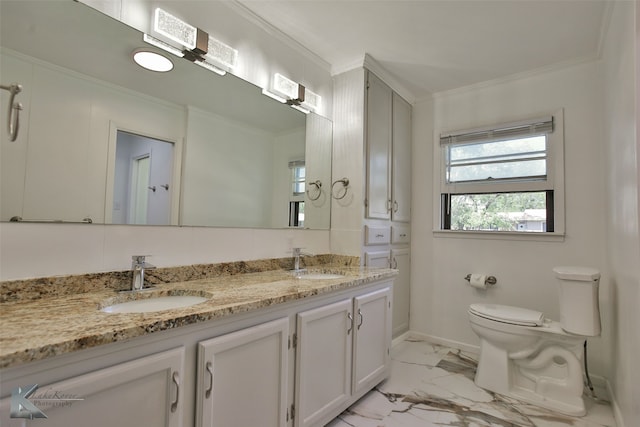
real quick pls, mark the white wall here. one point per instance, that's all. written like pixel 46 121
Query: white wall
pixel 622 189
pixel 440 295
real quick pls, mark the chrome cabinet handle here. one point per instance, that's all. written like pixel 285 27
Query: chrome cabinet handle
pixel 361 318
pixel 209 368
pixel 176 380
pixel 394 263
pixel 350 324
pixel 395 206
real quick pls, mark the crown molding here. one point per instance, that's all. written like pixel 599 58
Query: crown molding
pixel 368 62
pixel 519 76
pixel 279 35
pixel 377 69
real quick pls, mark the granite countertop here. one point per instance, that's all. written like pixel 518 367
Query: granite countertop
pixel 57 324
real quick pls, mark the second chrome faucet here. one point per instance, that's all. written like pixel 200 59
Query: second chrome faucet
pixel 138 266
pixel 297 253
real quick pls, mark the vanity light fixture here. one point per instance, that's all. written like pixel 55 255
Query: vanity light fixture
pixel 290 90
pixel 152 60
pixel 274 96
pixel 162 45
pixel 311 100
pixel 293 94
pixel 175 29
pixel 221 54
pixel 300 108
pixel 194 44
pixel 204 64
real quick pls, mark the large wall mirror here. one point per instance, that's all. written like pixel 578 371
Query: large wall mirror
pixel 103 140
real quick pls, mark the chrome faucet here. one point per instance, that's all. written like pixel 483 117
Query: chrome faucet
pixel 138 266
pixel 297 253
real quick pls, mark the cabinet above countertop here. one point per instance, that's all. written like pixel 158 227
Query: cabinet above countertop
pixel 54 325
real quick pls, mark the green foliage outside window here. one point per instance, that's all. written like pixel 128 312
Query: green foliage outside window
pixel 496 212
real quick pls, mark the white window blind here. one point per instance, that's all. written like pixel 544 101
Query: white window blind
pixel 513 130
pixel 511 152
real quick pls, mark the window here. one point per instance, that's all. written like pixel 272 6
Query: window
pixel 297 177
pixel 296 197
pixel 503 178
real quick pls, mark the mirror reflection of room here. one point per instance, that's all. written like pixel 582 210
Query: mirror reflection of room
pixel 141 186
pixel 231 145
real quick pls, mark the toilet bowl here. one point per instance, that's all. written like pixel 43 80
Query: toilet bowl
pixel 531 358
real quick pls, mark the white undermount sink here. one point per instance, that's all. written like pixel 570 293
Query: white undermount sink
pixel 152 304
pixel 316 276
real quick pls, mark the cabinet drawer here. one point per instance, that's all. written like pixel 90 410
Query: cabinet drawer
pixel 377 259
pixel 376 235
pixel 400 234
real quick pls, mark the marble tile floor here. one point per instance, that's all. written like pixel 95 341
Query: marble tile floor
pixel 432 385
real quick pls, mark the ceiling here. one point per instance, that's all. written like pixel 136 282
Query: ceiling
pixel 429 46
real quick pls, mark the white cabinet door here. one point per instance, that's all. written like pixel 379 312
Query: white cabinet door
pixel 143 392
pixel 372 338
pixel 323 361
pixel 401 260
pixel 242 377
pixel 401 160
pixel 377 259
pixel 379 99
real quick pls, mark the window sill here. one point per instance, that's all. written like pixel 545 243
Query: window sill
pixel 500 235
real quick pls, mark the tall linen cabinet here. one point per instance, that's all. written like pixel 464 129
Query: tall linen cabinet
pixel 372 147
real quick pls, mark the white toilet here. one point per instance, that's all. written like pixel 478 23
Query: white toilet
pixel 538 360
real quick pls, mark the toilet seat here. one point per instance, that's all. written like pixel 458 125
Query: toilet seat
pixel 508 314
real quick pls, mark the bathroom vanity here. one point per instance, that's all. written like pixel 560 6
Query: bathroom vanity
pixel 264 349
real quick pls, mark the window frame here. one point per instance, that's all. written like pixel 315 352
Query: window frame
pixel 553 183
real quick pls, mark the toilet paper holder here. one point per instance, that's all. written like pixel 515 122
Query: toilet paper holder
pixel 490 280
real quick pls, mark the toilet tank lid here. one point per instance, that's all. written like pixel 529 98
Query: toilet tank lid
pixel 508 314
pixel 585 274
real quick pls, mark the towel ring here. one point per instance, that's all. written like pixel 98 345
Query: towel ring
pixel 345 185
pixel 13 114
pixel 318 186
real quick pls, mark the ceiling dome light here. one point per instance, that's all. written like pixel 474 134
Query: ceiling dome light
pixel 152 61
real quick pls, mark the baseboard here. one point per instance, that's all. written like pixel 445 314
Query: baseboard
pixel 445 342
pixel 617 414
pixel 403 337
pixel 602 383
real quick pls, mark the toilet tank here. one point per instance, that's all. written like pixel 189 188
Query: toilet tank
pixel 579 307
